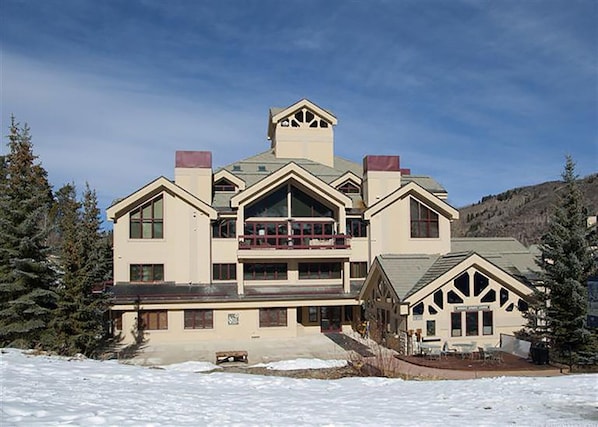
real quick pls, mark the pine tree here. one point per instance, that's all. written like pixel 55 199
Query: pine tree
pixel 567 263
pixel 80 322
pixel 26 275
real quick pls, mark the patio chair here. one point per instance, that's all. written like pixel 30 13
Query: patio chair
pixel 484 355
pixel 434 354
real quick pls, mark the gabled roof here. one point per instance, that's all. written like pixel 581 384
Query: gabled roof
pixel 420 193
pixel 413 276
pixel 232 178
pixel 152 189
pixel 297 173
pixel 506 252
pixel 277 114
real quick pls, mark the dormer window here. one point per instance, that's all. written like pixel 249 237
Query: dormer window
pixel 224 184
pixel 304 118
pixel 349 188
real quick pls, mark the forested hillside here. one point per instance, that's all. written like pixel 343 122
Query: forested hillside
pixel 522 213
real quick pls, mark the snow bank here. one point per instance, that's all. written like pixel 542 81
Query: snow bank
pixel 300 364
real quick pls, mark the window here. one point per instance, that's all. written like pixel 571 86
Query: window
pixel 357 227
pixel 275 271
pixel 153 320
pixel 147 222
pixel 303 205
pixel 504 296
pixel 456 324
pixel 270 317
pixel 479 283
pixel 522 305
pixel 276 204
pixel 312 314
pixel 430 328
pixel 418 309
pixel 487 323
pixel 462 284
pixel 453 298
pixel 304 118
pixel 349 188
pixel 224 271
pixel 432 310
pixel 424 222
pixel 358 269
pixel 117 319
pixel 146 272
pixel 319 270
pixel 471 323
pixel 224 184
pixel 225 228
pixel 199 319
pixel 490 296
pixel 438 299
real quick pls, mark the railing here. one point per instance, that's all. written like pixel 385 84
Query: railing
pixel 290 242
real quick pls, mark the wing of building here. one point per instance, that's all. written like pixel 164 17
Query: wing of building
pixel 280 244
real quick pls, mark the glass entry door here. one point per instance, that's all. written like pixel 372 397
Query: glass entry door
pixel 330 319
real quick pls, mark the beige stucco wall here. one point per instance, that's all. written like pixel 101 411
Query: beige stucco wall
pixel 308 143
pixel 390 232
pixel 197 181
pixel 379 184
pixel 184 250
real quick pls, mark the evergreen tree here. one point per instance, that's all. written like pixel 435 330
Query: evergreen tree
pixel 26 275
pixel 567 263
pixel 80 322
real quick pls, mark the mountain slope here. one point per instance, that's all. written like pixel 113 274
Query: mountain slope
pixel 522 212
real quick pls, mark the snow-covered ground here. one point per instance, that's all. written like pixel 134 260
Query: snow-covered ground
pixel 41 390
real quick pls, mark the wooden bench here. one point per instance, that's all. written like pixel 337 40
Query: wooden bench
pixel 231 356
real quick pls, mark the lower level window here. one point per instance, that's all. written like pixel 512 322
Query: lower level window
pixel 430 328
pixel 471 324
pixel 487 324
pixel 359 269
pixel 153 320
pixel 146 272
pixel 224 271
pixel 117 319
pixel 273 317
pixel 319 270
pixel 199 319
pixel 456 328
pixel 275 271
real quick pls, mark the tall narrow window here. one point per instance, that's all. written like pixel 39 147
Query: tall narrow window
pixel 430 328
pixel 456 328
pixel 471 323
pixel 147 221
pixel 424 221
pixel 487 323
pixel 359 269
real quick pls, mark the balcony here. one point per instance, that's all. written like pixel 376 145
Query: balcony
pixel 293 239
pixel 294 242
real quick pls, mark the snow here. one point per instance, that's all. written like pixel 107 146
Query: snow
pixel 300 364
pixel 43 390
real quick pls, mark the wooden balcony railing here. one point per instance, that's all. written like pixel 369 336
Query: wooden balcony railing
pixel 290 242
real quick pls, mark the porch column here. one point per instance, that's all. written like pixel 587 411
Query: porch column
pixel 347 277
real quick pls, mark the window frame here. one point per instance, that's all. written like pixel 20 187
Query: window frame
pixel 224 228
pixel 422 219
pixel 319 270
pixel 198 319
pixel 229 270
pixel 279 273
pixel 137 225
pixel 273 317
pixel 358 224
pixel 358 269
pixel 456 324
pixel 149 318
pixel 155 275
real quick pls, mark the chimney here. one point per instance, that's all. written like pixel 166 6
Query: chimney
pixel 381 176
pixel 193 172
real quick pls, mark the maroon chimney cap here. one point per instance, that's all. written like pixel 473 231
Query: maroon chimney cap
pixel 193 159
pixel 381 163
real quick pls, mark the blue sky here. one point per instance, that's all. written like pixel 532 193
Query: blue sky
pixel 482 95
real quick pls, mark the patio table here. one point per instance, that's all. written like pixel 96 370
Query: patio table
pixel 465 349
